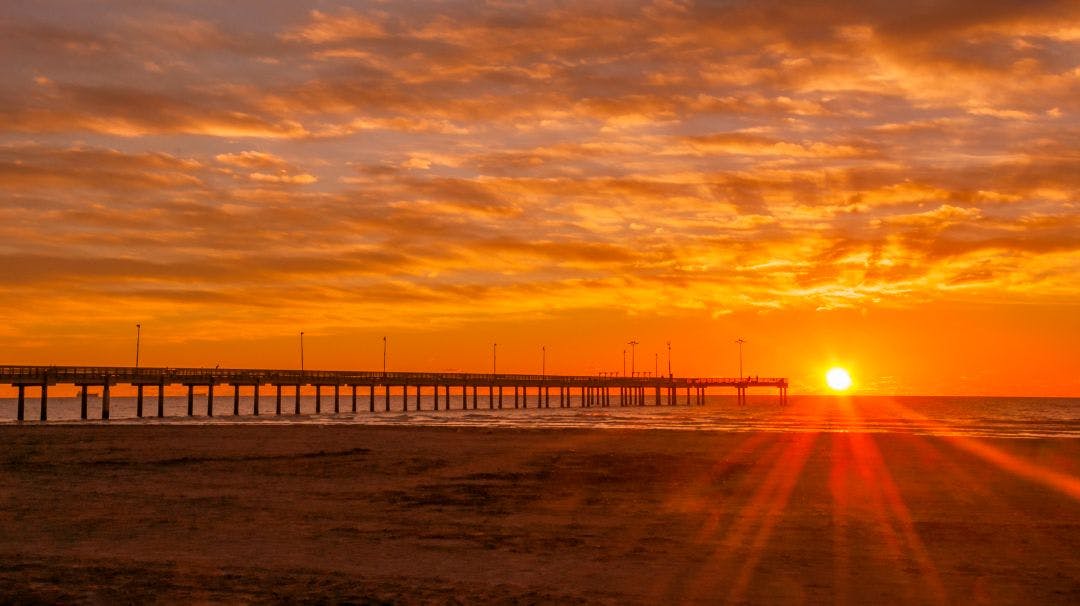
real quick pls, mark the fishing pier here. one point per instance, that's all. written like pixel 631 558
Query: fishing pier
pixel 386 391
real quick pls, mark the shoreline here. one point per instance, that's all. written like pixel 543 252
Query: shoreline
pixel 441 420
pixel 239 512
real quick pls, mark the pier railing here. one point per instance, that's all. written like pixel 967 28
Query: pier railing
pixel 78 375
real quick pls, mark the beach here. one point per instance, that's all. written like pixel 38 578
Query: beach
pixel 367 514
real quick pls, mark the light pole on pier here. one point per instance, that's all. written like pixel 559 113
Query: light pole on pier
pixel 384 356
pixel 740 341
pixel 624 362
pixel 301 352
pixel 543 360
pixel 656 365
pixel 633 345
pixel 669 360
pixel 494 357
pixel 138 339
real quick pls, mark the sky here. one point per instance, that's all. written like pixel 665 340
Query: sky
pixel 889 187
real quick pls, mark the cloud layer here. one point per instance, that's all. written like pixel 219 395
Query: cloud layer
pixel 203 162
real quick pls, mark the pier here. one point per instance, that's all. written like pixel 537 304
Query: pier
pixel 377 390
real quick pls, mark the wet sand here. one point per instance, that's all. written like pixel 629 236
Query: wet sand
pixel 353 514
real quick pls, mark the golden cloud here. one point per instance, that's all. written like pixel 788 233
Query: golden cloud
pixel 629 155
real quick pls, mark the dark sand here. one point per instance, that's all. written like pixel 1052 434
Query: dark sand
pixel 137 514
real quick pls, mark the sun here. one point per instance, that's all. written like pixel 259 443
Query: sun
pixel 838 379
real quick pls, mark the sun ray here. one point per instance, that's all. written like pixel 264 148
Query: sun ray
pixel 891 513
pixel 775 494
pixel 1062 482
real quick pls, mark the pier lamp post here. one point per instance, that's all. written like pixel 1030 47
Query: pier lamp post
pixel 138 339
pixel 740 341
pixel 384 356
pixel 669 360
pixel 301 352
pixel 543 360
pixel 656 365
pixel 624 362
pixel 494 349
pixel 633 345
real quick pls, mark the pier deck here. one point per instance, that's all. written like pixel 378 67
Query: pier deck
pixel 600 390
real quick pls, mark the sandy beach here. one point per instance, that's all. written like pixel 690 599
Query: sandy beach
pixel 353 514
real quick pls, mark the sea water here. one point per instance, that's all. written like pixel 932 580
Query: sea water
pixel 1010 417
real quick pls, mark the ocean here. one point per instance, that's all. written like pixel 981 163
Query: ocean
pixel 991 417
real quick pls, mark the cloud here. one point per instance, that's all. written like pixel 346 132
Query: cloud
pixel 36 167
pixel 131 112
pixel 941 217
pixel 300 179
pixel 629 156
pixel 252 159
pixel 744 144
pixel 344 25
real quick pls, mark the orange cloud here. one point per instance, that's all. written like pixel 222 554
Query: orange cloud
pixel 408 164
pixel 252 159
pixel 345 25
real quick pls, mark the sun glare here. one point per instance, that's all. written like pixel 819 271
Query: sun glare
pixel 838 379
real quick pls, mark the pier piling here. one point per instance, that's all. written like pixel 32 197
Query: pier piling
pixel 105 400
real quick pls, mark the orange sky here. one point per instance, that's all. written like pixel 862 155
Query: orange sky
pixel 888 186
